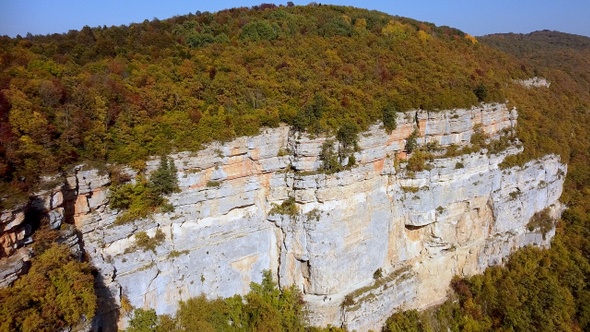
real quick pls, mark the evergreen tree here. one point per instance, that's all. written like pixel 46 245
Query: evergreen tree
pixel 164 181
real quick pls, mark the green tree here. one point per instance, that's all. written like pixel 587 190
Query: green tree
pixel 389 118
pixel 143 321
pixel 481 92
pixel 412 141
pixel 259 30
pixel 329 158
pixel 164 181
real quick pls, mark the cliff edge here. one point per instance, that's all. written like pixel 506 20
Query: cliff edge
pixel 359 243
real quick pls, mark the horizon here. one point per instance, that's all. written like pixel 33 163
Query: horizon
pixel 22 18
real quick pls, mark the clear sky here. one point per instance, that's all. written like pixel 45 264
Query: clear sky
pixel 477 17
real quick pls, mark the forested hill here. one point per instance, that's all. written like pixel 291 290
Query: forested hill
pixel 121 94
pixel 555 119
pixel 537 290
pixel 562 53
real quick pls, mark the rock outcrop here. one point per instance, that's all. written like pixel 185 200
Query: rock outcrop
pixel 359 243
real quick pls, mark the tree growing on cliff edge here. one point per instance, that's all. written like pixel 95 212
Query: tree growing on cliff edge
pixel 142 198
pixel 164 181
pixel 389 118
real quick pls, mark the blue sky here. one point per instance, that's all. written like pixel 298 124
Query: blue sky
pixel 476 17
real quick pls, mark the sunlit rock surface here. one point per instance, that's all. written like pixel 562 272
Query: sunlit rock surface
pixel 417 229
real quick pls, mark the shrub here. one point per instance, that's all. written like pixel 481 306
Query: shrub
pixel 212 183
pixel 142 198
pixel 478 139
pixel 288 207
pixel 418 161
pixel 348 301
pixel 481 92
pixel 412 141
pixel 330 163
pixel 378 274
pixel 541 221
pixel 145 242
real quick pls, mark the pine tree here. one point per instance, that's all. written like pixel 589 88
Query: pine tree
pixel 163 181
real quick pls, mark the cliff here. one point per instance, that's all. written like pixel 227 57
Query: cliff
pixel 359 243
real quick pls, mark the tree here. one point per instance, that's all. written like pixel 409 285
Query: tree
pixel 412 141
pixel 481 92
pixel 143 321
pixel 57 292
pixel 164 181
pixel 330 163
pixel 347 135
pixel 389 115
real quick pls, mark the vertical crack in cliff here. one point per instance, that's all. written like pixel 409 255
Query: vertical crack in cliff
pixel 151 282
pixel 306 274
pixel 281 249
pixel 490 205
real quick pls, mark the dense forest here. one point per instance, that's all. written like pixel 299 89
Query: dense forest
pixel 537 290
pixel 118 95
pixel 121 94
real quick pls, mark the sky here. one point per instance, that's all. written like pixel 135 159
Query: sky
pixel 476 17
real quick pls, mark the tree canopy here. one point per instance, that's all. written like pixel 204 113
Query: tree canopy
pixel 122 94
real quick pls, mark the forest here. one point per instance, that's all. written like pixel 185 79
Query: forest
pixel 536 290
pixel 121 94
pixel 118 95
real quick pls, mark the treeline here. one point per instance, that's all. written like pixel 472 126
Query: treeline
pixel 121 94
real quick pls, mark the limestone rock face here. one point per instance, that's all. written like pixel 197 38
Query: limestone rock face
pixel 375 237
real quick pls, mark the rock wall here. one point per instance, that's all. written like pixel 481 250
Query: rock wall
pixel 416 230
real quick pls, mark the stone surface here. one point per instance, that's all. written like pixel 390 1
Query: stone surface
pixel 420 229
pixel 14 266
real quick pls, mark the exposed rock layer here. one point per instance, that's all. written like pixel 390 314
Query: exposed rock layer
pixel 418 230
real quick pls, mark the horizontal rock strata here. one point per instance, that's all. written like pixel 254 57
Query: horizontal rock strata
pixel 363 242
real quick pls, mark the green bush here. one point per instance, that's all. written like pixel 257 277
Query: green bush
pixel 412 141
pixel 389 118
pixel 288 207
pixel 329 158
pixel 419 161
pixel 145 242
pixel 541 221
pixel 142 198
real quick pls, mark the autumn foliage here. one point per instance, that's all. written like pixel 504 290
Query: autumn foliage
pixel 122 94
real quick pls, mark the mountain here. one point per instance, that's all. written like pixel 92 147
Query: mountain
pixel 122 94
pixel 363 158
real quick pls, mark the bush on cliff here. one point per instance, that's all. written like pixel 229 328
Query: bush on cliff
pixel 142 198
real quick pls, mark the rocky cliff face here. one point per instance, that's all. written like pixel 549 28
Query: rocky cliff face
pixel 359 243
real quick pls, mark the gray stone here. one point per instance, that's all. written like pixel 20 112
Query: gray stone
pixel 420 229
